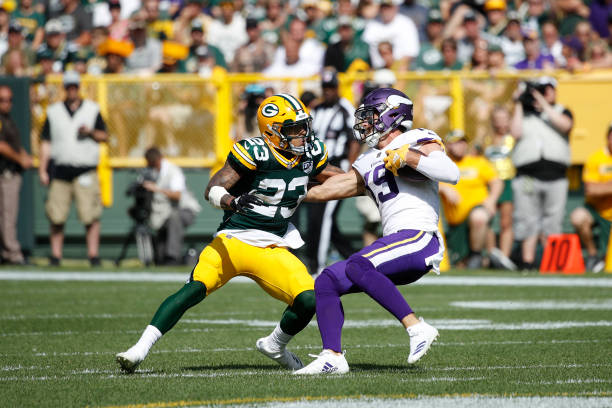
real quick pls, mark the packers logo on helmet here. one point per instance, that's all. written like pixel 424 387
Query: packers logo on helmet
pixel 285 122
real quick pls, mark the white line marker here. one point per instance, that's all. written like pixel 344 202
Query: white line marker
pixel 537 305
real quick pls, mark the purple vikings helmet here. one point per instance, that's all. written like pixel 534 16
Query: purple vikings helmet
pixel 382 111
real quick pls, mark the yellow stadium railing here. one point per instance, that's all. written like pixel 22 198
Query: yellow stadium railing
pixel 193 119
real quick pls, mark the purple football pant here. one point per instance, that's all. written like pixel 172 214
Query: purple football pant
pixel 397 259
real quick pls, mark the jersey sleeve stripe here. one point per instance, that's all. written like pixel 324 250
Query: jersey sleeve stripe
pixel 323 160
pixel 246 161
pixel 245 154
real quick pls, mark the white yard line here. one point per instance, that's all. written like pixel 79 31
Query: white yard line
pixel 144 374
pixel 308 347
pixel 444 402
pixel 535 305
pixel 432 280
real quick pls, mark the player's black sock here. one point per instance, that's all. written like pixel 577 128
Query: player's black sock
pixel 297 316
pixel 171 310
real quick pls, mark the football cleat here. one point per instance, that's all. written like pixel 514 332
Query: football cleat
pixel 422 336
pixel 282 356
pixel 327 362
pixel 129 360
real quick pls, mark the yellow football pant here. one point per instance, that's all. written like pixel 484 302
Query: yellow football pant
pixel 275 269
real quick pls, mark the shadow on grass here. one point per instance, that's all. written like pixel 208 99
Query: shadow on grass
pixel 230 367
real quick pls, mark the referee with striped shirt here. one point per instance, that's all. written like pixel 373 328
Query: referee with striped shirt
pixel 333 122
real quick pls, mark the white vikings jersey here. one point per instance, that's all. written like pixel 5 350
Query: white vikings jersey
pixel 402 204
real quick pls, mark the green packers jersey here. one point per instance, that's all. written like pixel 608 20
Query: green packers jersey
pixel 281 183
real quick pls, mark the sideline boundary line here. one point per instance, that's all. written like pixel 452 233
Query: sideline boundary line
pixel 250 400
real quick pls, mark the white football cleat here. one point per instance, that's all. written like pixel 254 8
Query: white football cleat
pixel 283 357
pixel 129 360
pixel 422 336
pixel 327 362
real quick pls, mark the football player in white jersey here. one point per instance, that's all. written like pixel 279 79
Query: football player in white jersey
pixel 400 172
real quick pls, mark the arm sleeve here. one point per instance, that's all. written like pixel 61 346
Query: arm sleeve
pixel 438 167
pixel 100 125
pixel 46 131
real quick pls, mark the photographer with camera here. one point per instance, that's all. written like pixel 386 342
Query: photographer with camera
pixel 246 126
pixel 541 157
pixel 173 207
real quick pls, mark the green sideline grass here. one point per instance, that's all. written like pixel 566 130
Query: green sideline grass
pixel 58 340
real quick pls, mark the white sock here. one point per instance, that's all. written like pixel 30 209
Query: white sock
pixel 150 335
pixel 279 338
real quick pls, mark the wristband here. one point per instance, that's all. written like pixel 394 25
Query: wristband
pixel 215 195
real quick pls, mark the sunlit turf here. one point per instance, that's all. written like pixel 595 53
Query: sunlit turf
pixel 58 341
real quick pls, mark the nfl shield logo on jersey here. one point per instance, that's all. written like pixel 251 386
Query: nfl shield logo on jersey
pixel 307 166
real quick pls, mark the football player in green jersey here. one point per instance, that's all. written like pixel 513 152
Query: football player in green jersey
pixel 263 181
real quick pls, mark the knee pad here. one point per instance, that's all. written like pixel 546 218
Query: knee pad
pixel 305 302
pixel 357 267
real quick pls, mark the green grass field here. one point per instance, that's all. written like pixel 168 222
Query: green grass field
pixel 518 336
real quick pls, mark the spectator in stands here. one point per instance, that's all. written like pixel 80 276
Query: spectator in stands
pixel 534 59
pixel 159 24
pixel 498 151
pixel 480 57
pixel 472 34
pixel 449 57
pixel 4 27
pixel 44 60
pixel 173 53
pixel 299 56
pixel 146 58
pixel 429 52
pixel 534 12
pixel 416 12
pixel 551 44
pixel 395 28
pixel 496 61
pixel 228 33
pixel 328 30
pixel 118 28
pixel 173 209
pixel 276 18
pixel 13 160
pixel 31 21
pixel 14 63
pixel 55 44
pixel 570 13
pixel 599 17
pixel 68 154
pixel 584 35
pixel 470 205
pixel 341 54
pixel 512 40
pixel 541 156
pixel 191 12
pixel 115 53
pixel 333 121
pixel 496 17
pixel 257 54
pixel 592 222
pixel 76 21
pixel 16 42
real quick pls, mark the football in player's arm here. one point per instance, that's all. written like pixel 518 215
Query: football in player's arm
pixel 411 245
pixel 261 184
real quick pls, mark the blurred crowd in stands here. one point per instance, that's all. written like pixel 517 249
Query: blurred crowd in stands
pixel 299 37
